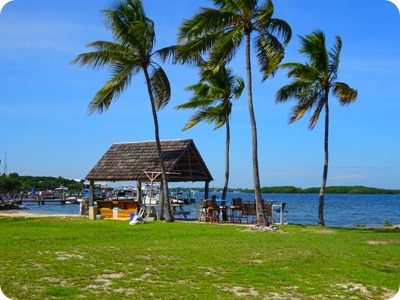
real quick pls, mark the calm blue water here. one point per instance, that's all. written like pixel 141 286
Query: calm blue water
pixel 340 210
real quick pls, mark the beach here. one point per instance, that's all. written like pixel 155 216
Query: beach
pixel 25 214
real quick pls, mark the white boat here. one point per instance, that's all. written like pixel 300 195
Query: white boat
pixel 71 200
pixel 151 200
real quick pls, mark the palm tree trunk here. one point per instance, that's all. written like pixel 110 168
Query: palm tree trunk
pixel 325 172
pixel 261 221
pixel 168 212
pixel 227 146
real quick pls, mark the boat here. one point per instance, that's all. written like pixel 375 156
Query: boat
pixel 124 193
pixel 152 200
pixel 62 194
pixel 151 194
pixel 182 197
pixel 71 200
pixel 100 193
pixel 48 194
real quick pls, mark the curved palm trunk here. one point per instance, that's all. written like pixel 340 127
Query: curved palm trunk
pixel 261 220
pixel 165 194
pixel 325 172
pixel 227 146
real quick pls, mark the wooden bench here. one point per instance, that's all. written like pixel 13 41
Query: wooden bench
pixel 177 209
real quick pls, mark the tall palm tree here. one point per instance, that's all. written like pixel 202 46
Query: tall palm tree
pixel 212 99
pixel 220 32
pixel 129 53
pixel 312 83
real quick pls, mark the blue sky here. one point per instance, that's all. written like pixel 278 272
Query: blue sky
pixel 46 131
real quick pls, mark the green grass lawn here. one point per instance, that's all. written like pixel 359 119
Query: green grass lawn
pixel 76 258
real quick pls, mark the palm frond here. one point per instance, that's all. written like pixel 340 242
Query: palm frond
pixel 166 53
pixel 105 54
pixel 238 88
pixel 320 103
pixel 196 103
pixel 141 36
pixel 205 114
pixel 160 86
pixel 306 102
pixel 270 53
pixel 191 52
pixel 313 46
pixel 264 14
pixel 292 90
pixel 212 96
pixel 225 47
pixel 345 93
pixel 122 19
pixel 281 30
pixel 334 58
pixel 301 71
pixel 121 78
pixel 207 21
pixel 232 5
pixel 131 51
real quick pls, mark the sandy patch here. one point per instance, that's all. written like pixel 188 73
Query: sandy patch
pixel 240 291
pixel 397 226
pixel 263 229
pixel 383 242
pixel 24 214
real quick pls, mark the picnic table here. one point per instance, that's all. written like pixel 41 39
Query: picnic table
pixel 178 209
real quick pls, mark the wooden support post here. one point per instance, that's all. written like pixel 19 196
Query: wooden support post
pixel 92 209
pixel 206 189
pixel 139 191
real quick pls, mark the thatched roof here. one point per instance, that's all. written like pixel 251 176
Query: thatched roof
pixel 130 161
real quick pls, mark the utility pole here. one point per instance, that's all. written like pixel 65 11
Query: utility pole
pixel 5 163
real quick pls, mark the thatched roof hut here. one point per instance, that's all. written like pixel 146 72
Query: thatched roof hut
pixel 138 161
pixel 130 161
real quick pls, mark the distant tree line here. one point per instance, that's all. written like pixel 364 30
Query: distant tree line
pixel 329 190
pixel 359 189
pixel 14 183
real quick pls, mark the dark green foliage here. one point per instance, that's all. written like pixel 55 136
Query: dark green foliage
pixel 358 189
pixel 14 183
pixel 9 184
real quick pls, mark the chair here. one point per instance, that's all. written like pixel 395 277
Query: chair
pixel 236 210
pixel 282 209
pixel 212 211
pixel 203 210
pixel 267 207
pixel 249 211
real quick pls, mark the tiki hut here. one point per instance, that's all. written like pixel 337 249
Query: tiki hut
pixel 138 161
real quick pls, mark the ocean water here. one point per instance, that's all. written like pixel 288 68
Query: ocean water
pixel 340 210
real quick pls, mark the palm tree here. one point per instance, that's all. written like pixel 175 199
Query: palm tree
pixel 130 53
pixel 313 81
pixel 212 99
pixel 220 32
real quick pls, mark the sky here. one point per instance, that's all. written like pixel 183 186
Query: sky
pixel 46 129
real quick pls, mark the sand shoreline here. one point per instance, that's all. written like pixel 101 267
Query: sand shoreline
pixel 26 214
